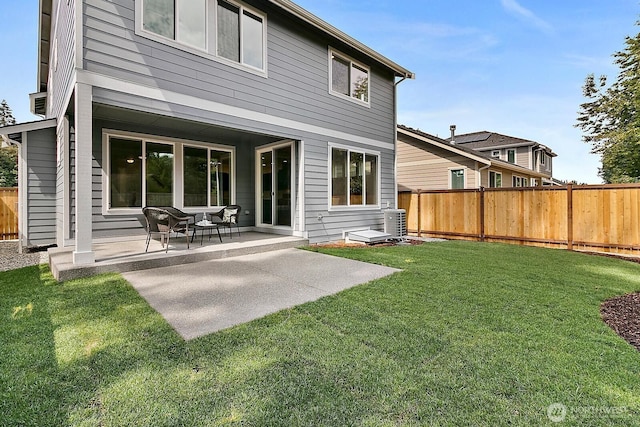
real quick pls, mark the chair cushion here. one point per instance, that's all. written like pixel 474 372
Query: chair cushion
pixel 229 216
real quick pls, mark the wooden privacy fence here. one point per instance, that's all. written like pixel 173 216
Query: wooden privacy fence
pixel 8 213
pixel 604 218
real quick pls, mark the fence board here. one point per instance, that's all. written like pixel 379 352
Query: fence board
pixel 8 213
pixel 601 217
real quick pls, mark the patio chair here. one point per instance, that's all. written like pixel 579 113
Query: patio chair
pixel 164 221
pixel 228 217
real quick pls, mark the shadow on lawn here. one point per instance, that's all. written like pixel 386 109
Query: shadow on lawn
pixel 62 343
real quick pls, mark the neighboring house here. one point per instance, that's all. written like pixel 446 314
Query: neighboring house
pixel 522 152
pixel 426 162
pixel 199 104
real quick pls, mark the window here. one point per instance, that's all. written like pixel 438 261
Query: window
pixel 511 156
pixel 240 35
pixel 534 182
pixel 457 179
pixel 519 181
pixel 128 159
pixel 349 78
pixel 180 20
pixel 142 169
pixel 495 153
pixel 354 178
pixel 206 177
pixel 495 179
pixel 234 33
pixel 543 158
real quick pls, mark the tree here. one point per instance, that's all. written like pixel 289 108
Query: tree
pixel 6 115
pixel 9 167
pixel 610 119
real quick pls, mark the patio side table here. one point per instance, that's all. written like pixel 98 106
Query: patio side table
pixel 206 225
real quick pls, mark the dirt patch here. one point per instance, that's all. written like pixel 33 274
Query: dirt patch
pixel 622 314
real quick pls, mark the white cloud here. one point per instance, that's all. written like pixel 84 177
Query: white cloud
pixel 515 8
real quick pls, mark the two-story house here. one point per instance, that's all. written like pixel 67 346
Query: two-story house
pixel 426 162
pixel 522 152
pixel 199 104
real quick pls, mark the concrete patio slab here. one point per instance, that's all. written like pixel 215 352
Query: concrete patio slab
pixel 205 297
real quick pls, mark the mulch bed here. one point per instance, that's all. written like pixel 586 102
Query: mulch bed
pixel 622 314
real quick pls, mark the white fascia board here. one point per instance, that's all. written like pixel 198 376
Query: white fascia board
pixel 136 89
pixel 329 29
pixel 448 147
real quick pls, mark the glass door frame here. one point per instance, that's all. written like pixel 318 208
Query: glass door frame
pixel 258 184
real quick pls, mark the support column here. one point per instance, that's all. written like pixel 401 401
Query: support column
pixel 83 253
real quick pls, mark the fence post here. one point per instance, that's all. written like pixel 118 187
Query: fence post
pixel 419 215
pixel 569 217
pixel 481 213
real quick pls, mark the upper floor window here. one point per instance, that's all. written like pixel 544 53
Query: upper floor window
pixel 349 78
pixel 543 158
pixel 495 153
pixel 180 20
pixel 224 29
pixel 511 156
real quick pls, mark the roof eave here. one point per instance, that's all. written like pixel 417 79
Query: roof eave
pixel 446 146
pixel 329 29
pixel 44 29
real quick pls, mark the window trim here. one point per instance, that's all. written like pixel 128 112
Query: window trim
pixel 514 155
pixel 178 165
pixel 352 62
pixel 464 177
pixel 349 206
pixel 543 157
pixel 211 36
pixel 514 181
pixel 495 153
pixel 496 173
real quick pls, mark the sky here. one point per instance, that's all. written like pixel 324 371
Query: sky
pixel 514 67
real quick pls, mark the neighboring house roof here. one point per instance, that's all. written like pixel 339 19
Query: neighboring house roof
pixel 286 5
pixel 491 140
pixel 465 151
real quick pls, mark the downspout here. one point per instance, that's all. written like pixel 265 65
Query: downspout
pixel 395 135
pixel 480 174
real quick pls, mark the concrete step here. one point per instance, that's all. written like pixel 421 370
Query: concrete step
pixel 119 256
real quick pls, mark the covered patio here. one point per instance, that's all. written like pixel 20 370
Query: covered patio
pixel 124 254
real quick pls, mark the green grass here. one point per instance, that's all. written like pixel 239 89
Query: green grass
pixel 467 334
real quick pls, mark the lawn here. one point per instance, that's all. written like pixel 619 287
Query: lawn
pixel 467 334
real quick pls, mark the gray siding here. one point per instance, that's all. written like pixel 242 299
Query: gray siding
pixel 333 222
pixel 296 87
pixel 41 187
pixel 61 73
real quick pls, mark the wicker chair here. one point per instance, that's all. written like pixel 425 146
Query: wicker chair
pixel 164 221
pixel 228 217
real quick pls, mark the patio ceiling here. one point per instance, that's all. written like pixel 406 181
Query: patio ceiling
pixel 179 128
